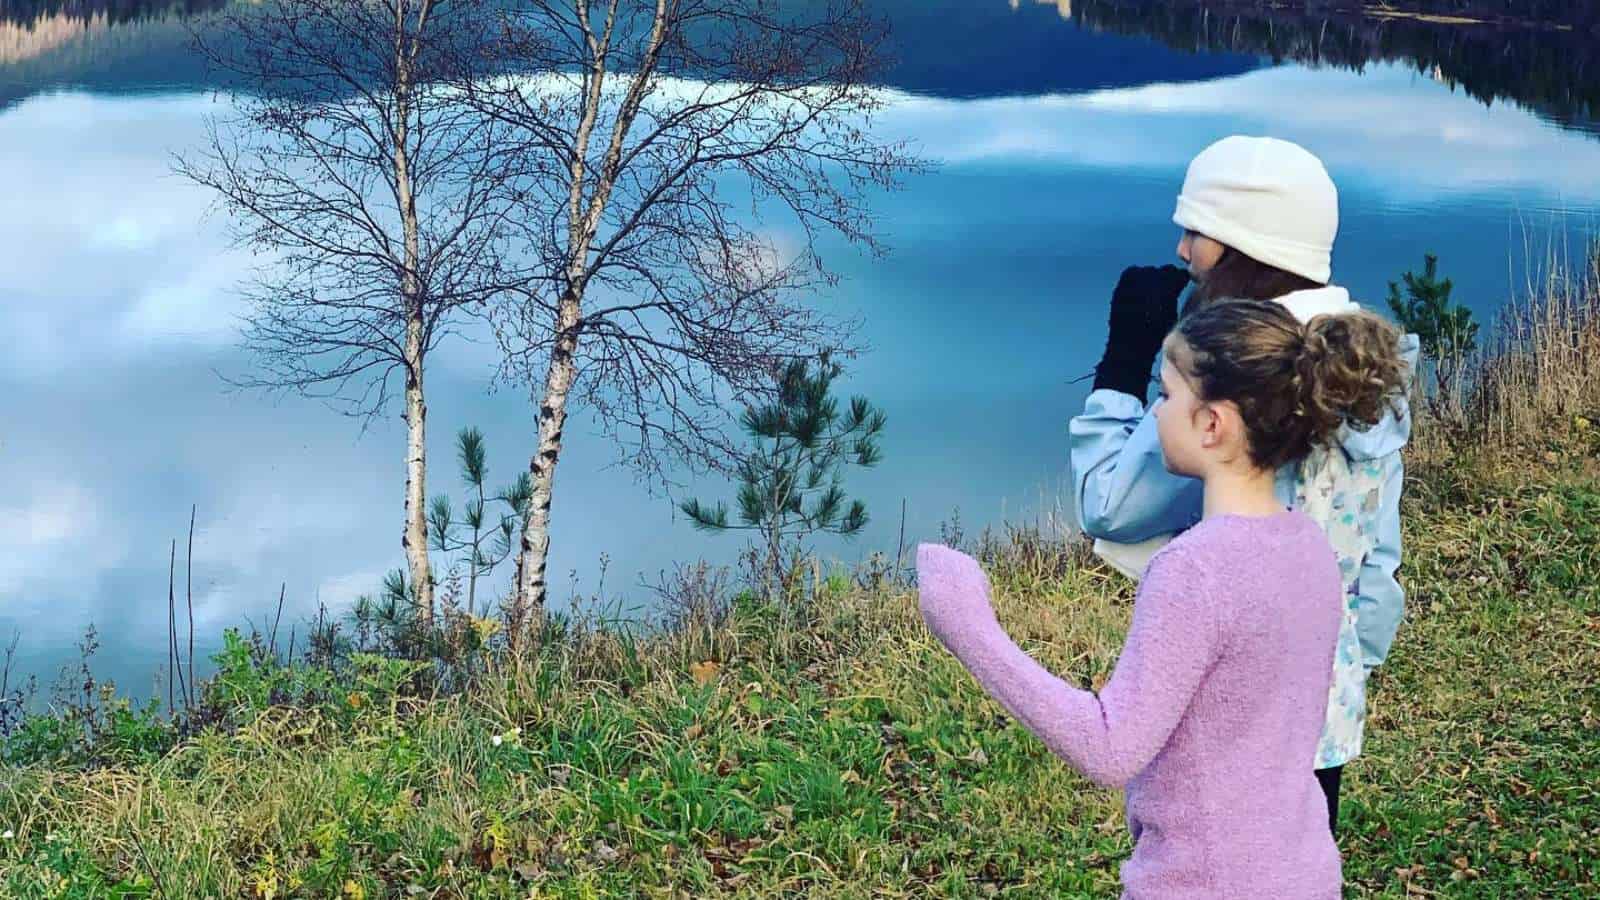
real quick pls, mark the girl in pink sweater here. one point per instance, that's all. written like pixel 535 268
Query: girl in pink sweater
pixel 1212 715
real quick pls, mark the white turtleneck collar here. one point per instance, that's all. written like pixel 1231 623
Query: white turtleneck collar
pixel 1323 301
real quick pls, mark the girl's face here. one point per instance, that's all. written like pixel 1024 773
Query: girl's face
pixel 1180 422
pixel 1200 253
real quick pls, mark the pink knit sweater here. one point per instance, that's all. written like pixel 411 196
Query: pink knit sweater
pixel 1211 718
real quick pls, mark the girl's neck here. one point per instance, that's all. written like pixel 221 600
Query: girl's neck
pixel 1241 492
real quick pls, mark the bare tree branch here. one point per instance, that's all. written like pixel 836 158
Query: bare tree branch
pixel 670 264
pixel 351 162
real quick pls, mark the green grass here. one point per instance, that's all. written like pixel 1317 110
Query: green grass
pixel 853 757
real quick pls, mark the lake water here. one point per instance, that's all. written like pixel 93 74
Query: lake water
pixel 1062 131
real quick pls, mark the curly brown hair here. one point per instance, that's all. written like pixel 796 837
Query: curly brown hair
pixel 1295 385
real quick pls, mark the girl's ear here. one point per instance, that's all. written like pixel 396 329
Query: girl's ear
pixel 1212 424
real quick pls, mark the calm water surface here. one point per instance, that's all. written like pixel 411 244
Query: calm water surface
pixel 1062 131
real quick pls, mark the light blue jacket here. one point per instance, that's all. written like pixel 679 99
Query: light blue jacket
pixel 1123 492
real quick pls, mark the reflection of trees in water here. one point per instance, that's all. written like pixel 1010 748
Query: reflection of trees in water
pixel 1064 7
pixel 30 38
pixel 31 28
pixel 111 11
pixel 1552 69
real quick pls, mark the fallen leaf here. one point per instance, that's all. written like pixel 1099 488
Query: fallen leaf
pixel 605 853
pixel 704 672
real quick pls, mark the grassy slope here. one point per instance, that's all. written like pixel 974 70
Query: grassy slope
pixel 857 759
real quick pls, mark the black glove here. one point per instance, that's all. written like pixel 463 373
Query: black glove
pixel 1144 307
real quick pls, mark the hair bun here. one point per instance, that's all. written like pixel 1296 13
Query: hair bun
pixel 1352 370
pixel 1295 384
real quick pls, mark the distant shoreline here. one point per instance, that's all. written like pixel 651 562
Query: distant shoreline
pixel 1557 17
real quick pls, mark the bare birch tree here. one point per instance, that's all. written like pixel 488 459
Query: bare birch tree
pixel 350 162
pixel 658 141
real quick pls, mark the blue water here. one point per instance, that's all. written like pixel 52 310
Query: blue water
pixel 122 321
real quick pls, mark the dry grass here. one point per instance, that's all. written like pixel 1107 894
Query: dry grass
pixel 1535 382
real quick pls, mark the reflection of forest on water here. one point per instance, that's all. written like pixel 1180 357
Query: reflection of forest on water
pixel 1545 58
pixel 29 29
pixel 1548 60
pixel 80 36
pixel 110 10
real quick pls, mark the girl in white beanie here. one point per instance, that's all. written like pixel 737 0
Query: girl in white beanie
pixel 1259 217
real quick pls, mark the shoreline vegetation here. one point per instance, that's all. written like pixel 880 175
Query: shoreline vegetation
pixel 816 742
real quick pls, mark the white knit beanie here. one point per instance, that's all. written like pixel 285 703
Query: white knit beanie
pixel 1268 199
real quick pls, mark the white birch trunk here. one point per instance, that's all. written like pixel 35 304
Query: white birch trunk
pixel 532 584
pixel 583 222
pixel 415 539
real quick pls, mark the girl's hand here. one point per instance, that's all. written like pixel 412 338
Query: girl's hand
pixel 954 594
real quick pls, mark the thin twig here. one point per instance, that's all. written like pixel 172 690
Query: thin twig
pixel 173 672
pixel 900 545
pixel 11 652
pixel 189 591
pixel 272 640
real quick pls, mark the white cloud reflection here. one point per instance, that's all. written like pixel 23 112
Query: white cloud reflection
pixel 118 303
pixel 1392 130
pixel 106 254
pixel 112 254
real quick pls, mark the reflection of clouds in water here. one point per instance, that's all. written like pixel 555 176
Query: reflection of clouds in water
pixel 1397 130
pixel 114 252
pixel 112 462
pixel 120 302
pixel 50 524
pixel 117 255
